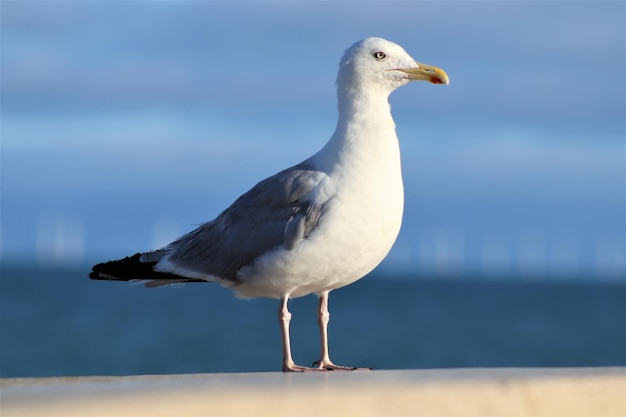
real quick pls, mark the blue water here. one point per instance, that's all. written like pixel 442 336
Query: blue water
pixel 57 322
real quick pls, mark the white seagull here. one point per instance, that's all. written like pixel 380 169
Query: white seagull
pixel 314 227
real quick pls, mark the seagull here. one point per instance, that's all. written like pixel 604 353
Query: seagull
pixel 312 228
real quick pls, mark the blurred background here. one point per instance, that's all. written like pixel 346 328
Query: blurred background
pixel 126 124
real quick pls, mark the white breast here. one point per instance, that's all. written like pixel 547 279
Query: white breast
pixel 358 227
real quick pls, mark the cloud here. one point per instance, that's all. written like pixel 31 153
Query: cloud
pixel 106 55
pixel 172 109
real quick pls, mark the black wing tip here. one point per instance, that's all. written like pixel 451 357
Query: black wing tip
pixel 125 269
pixel 132 269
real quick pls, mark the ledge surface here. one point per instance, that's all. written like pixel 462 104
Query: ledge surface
pixel 512 392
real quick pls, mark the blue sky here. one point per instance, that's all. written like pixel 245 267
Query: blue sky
pixel 125 124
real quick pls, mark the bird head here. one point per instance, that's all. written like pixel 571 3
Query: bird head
pixel 377 63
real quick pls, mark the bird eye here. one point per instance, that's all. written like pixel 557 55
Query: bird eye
pixel 379 55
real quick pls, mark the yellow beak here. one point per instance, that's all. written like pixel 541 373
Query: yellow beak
pixel 426 73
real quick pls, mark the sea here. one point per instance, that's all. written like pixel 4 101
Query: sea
pixel 57 322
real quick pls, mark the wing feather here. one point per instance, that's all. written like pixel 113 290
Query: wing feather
pixel 281 210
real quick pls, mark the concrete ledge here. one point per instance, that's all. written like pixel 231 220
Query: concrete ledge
pixel 533 392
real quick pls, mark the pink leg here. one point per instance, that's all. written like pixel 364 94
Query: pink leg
pixel 284 317
pixel 323 317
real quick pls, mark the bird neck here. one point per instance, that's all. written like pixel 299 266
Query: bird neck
pixel 363 105
pixel 365 130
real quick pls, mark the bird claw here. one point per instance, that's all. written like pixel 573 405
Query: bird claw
pixel 329 366
pixel 298 368
pixel 320 366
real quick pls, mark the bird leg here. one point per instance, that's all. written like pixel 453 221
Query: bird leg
pixel 324 364
pixel 323 317
pixel 284 317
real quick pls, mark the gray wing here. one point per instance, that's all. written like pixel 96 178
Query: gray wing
pixel 281 210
